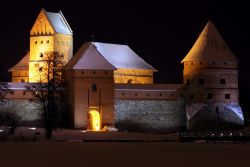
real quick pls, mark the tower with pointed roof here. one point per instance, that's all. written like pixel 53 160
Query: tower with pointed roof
pixel 50 33
pixel 210 77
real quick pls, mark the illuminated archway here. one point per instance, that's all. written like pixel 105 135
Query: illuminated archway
pixel 94 120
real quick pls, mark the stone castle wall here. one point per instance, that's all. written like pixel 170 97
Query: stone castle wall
pixel 149 115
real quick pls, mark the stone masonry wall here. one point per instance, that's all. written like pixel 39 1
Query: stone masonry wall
pixel 149 115
pixel 29 112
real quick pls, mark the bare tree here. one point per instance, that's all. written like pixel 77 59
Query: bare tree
pixel 4 90
pixel 49 87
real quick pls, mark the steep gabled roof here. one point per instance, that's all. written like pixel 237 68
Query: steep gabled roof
pixel 87 57
pixel 23 64
pixel 210 46
pixel 122 56
pixel 58 22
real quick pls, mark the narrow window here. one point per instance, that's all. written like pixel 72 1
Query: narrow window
pixel 136 94
pixel 191 97
pixel 201 81
pixel 40 69
pixel 82 72
pixel 94 88
pixel 187 82
pixel 217 111
pixel 160 94
pixel 94 72
pixel 35 42
pixel 227 96
pixel 192 63
pixel 123 94
pixel 209 96
pixel 148 94
pixel 41 54
pixel 41 41
pixel 222 81
pixel 201 63
pixel 213 63
pixel 47 41
pixel 106 72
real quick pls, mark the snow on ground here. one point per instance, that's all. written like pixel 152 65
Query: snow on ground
pixel 37 134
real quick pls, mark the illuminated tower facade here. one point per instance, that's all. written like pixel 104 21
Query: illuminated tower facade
pixel 210 77
pixel 50 33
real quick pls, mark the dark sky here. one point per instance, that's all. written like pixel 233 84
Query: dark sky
pixel 161 32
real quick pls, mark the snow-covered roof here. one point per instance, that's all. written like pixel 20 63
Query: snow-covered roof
pixel 87 57
pixel 96 55
pixel 210 46
pixel 122 56
pixel 23 64
pixel 58 22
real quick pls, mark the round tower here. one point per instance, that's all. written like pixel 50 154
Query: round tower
pixel 210 77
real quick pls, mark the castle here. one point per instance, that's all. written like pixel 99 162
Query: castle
pixel 110 85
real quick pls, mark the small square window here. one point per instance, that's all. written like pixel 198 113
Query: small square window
pixel 227 96
pixel 209 96
pixel 82 72
pixel 136 94
pixel 201 63
pixel 94 72
pixel 160 94
pixel 123 94
pixel 40 69
pixel 94 87
pixel 41 54
pixel 106 72
pixel 201 81
pixel 222 81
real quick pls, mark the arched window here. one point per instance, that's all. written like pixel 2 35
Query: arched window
pixel 130 81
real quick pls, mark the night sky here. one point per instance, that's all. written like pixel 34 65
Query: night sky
pixel 161 32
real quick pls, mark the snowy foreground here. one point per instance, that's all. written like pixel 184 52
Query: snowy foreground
pixel 80 148
pixel 154 154
pixel 69 135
